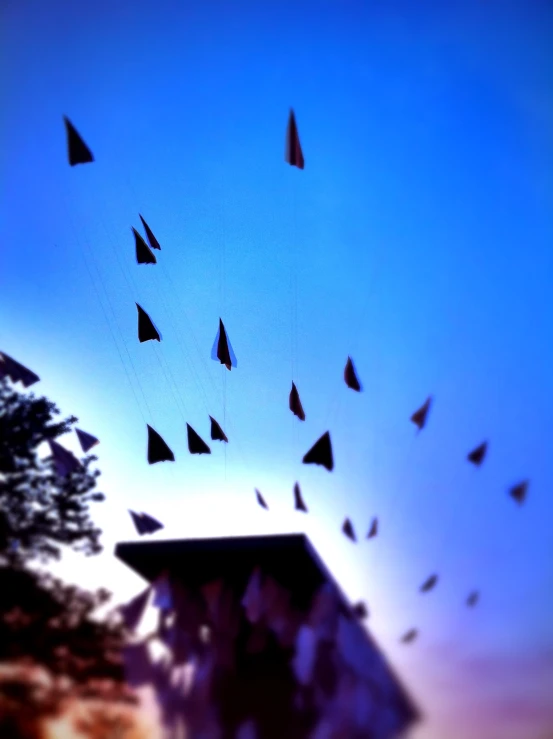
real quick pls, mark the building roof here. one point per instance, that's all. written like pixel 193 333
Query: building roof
pixel 290 559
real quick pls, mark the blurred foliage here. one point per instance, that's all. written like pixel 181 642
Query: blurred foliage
pixel 51 622
pixel 40 510
pixel 44 622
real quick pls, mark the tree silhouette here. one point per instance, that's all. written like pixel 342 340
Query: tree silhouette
pixel 39 509
pixel 44 622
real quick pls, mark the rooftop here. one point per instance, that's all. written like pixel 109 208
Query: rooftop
pixel 290 559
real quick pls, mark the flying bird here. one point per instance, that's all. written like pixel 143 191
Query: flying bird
pixel 158 451
pixel 222 349
pixel 429 584
pixel 87 441
pixel 293 154
pixel 144 255
pixel 146 329
pixel 373 531
pixel 519 492
pixel 196 445
pixel 217 433
pixel 477 455
pixel 64 461
pixel 299 502
pixel 77 150
pixel 473 598
pixel 261 500
pixel 154 243
pixel 347 529
pixel 359 610
pixel 144 523
pixel 409 636
pixel 294 403
pixel 350 376
pixel 16 372
pixel 419 416
pixel 321 453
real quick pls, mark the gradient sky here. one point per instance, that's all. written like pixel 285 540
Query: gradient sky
pixel 421 236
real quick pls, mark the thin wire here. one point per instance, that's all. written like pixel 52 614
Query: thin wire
pixel 166 370
pixel 221 391
pixel 170 380
pixel 113 336
pixel 222 304
pixel 123 339
pixel 182 347
pixel 336 401
pixel 173 472
pixel 199 351
pixel 158 351
pixel 294 265
pixel 133 288
pixel 299 262
pixel 169 377
pixel 114 316
pixel 291 259
pixel 225 414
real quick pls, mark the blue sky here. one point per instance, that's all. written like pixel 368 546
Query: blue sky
pixel 420 235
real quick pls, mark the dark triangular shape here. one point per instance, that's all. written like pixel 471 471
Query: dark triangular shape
pixel 64 461
pixel 133 611
pixel 154 243
pixel 473 598
pixel 196 445
pixel 409 636
pixel 350 376
pixel 294 403
pixel 87 441
pixel 17 372
pixel 217 433
pixel 347 529
pixel 429 583
pixel 223 353
pixel 519 492
pixel 419 416
pixel 299 502
pixel 77 150
pixel 359 610
pixel 144 255
pixel 261 500
pixel 373 531
pixel 321 453
pixel 158 451
pixel 221 350
pixel 139 523
pixel 151 524
pixel 477 455
pixel 293 154
pixel 146 329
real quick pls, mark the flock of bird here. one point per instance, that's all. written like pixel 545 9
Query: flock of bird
pixel 159 451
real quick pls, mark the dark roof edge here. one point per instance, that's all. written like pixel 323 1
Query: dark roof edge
pixel 409 704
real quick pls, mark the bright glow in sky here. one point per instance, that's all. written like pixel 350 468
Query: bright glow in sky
pixel 420 233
